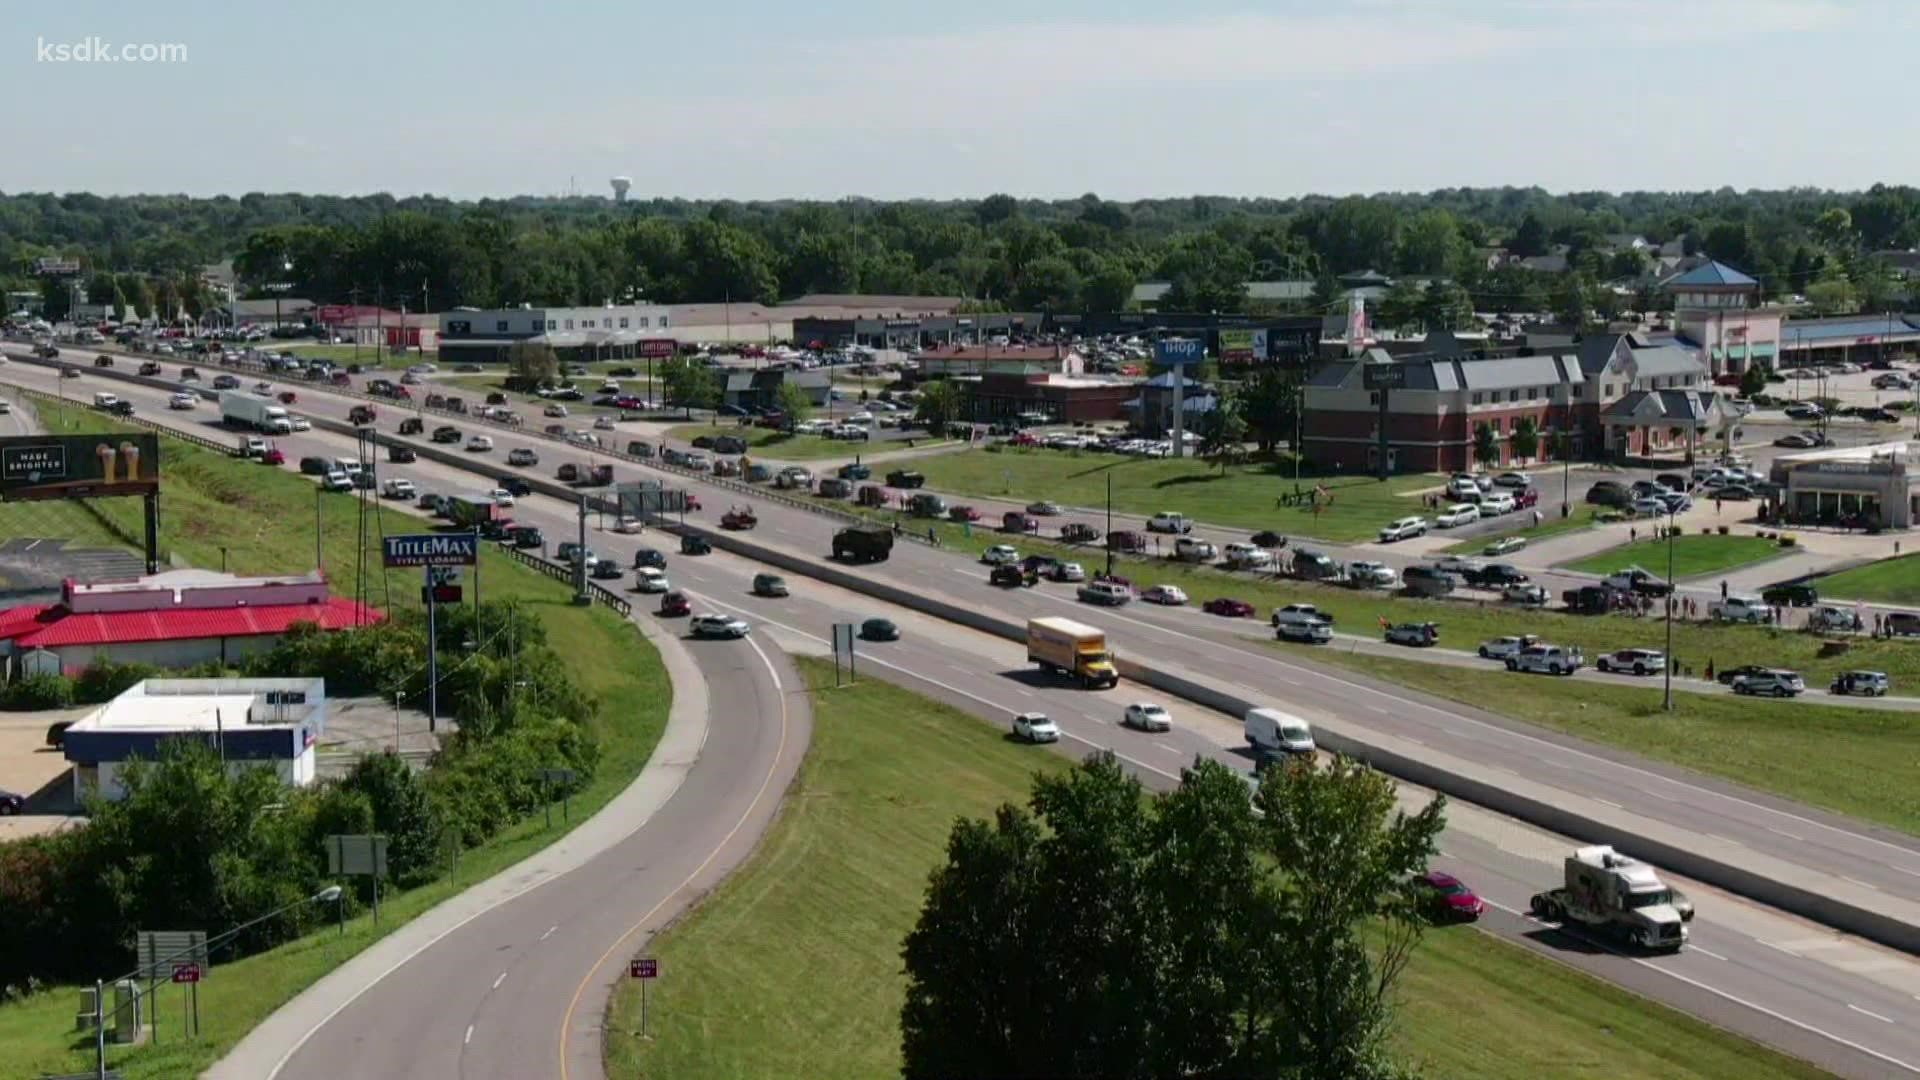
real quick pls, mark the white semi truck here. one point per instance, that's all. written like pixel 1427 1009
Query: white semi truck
pixel 258 414
pixel 1612 894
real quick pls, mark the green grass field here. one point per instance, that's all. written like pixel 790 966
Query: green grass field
pixel 792 967
pixel 1244 495
pixel 265 518
pixel 1582 517
pixel 1888 581
pixel 1694 555
pixel 1862 762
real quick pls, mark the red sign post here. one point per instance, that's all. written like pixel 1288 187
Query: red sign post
pixel 645 968
pixel 186 973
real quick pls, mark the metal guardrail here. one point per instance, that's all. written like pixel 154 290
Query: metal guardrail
pixel 562 572
pixel 138 421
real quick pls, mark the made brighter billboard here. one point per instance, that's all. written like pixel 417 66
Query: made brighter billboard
pixel 78 466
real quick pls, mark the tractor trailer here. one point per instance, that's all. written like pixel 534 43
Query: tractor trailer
pixel 1612 894
pixel 1065 647
pixel 256 414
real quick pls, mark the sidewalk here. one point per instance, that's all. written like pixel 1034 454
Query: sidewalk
pixel 268 1046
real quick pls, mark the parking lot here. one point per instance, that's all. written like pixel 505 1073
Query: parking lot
pixel 29 767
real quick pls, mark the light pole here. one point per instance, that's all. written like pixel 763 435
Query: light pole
pixel 1672 598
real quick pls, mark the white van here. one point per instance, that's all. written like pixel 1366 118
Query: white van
pixel 1273 730
pixel 104 401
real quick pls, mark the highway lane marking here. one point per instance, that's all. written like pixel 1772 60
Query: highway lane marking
pixel 1785 833
pixel 1607 802
pixel 1868 1012
pixel 1862 884
pixel 766 782
pixel 549 933
pixel 1779 948
pixel 469 1037
pixel 1717 992
pixel 1705 952
pixel 498 981
pixel 952 689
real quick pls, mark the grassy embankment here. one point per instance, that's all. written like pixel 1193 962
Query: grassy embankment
pixel 792 967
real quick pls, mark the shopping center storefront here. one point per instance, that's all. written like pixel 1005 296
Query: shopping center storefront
pixel 1877 491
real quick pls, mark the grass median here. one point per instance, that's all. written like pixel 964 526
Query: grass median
pixel 792 967
pixel 1247 495
pixel 1888 581
pixel 1694 555
pixel 1581 517
pixel 264 519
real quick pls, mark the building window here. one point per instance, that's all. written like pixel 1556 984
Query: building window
pixel 1373 398
pixel 1533 393
pixel 1606 390
pixel 552 325
pixel 643 322
pixel 501 326
pixel 1477 397
pixel 1513 395
pixel 623 322
pixel 569 324
pixel 1576 388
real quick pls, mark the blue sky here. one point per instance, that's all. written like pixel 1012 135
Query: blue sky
pixel 1048 98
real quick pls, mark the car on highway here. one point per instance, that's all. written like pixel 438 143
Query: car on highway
pixel 480 444
pixel 225 382
pixel 1860 684
pixel 1416 634
pixel 647 556
pixel 1797 440
pixel 571 551
pixel 1104 593
pixel 769 585
pixel 521 455
pixel 1446 898
pixel 446 434
pixel 1229 607
pixel 182 401
pixel 692 544
pixel 1000 555
pixel 1146 716
pixel 1067 571
pixel 879 630
pixel 1010 576
pixel 738 518
pixel 606 570
pixel 1633 661
pixel 1502 647
pixel 1035 728
pixel 1775 682
pixel 1043 508
pixel 1456 515
pixel 718 626
pixel 1402 529
pixel 1366 574
pixel 648 579
pixel 1167 595
pixel 501 497
pixel 301 423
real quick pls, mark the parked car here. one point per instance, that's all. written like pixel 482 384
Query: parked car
pixel 1168 595
pixel 1495 576
pixel 1728 676
pixel 1775 683
pixel 1191 549
pixel 1366 574
pixel 1104 593
pixel 1417 634
pixel 1544 659
pixel 1035 728
pixel 1457 514
pixel 1402 529
pixel 1505 545
pixel 1791 594
pixel 1446 898
pixel 1079 533
pixel 1633 661
pixel 1501 648
pixel 1517 481
pixel 1525 595
pixel 1169 522
pixel 1427 581
pixel 1608 493
pixel 1861 683
pixel 1228 607
pixel 1000 555
pixel 1043 508
pixel 1742 609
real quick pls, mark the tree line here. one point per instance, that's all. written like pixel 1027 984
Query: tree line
pixel 1070 254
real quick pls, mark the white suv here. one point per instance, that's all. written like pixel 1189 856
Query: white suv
pixel 1402 529
pixel 1169 522
pixel 1457 514
pixel 1746 609
pixel 1193 550
pixel 1547 660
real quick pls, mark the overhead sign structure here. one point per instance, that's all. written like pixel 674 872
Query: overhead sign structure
pixel 78 466
pixel 1179 352
pixel 432 549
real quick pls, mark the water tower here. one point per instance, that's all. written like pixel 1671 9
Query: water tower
pixel 620 186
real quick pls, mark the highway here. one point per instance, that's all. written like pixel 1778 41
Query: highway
pixel 1813 992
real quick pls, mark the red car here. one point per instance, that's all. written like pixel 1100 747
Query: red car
pixel 1226 605
pixel 1526 500
pixel 692 500
pixel 288 397
pixel 963 513
pixel 675 603
pixel 1447 897
pixel 273 456
pixel 738 519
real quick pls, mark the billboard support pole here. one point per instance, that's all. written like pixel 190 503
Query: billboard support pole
pixel 152 499
pixel 433 664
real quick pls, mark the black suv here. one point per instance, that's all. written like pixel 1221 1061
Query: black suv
pixel 514 486
pixel 1494 576
pixel 1791 594
pixel 446 434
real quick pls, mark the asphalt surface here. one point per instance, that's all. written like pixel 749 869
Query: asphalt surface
pixel 1803 988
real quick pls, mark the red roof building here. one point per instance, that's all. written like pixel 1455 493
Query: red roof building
pixel 175 619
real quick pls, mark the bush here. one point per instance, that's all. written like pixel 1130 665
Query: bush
pixel 34 692
pixel 104 680
pixel 1788 541
pixel 1723 530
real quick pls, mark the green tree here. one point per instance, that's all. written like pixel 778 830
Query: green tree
pixel 1486 447
pixel 995 209
pixel 689 385
pixel 402 812
pixel 56 300
pixel 940 404
pixel 1833 294
pixel 1445 306
pixel 531 365
pixel 1530 238
pixel 1109 288
pixel 1430 244
pixel 1207 274
pixel 1525 440
pixel 1834 227
pixel 1572 299
pixel 792 401
pixel 1753 380
pixel 1399 308
pixel 1049 283
pixel 1269 400
pixel 1223 430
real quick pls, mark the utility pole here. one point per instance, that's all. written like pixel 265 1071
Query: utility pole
pixel 1667 701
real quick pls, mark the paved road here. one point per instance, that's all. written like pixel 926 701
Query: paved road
pixel 1756 971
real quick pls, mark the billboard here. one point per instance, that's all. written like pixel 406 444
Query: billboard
pixel 1243 346
pixel 78 466
pixel 55 265
pixel 431 549
pixel 657 348
pixel 1179 352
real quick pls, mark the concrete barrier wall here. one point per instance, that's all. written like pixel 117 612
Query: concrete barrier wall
pixel 1806 903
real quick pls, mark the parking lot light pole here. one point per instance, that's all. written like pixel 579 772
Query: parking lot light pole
pixel 1672 598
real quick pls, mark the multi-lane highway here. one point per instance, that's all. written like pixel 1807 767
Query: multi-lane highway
pixel 1814 992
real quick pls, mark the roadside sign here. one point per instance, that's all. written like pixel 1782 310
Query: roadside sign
pixel 1383 376
pixel 1179 352
pixel 432 549
pixel 186 973
pixel 842 638
pixel 643 968
pixel 158 950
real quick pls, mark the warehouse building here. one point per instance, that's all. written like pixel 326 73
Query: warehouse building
pixel 250 723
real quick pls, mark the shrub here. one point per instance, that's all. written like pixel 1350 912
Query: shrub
pixel 1723 530
pixel 34 692
pixel 104 680
pixel 1788 541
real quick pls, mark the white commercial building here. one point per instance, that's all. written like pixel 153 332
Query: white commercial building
pixel 578 334
pixel 250 723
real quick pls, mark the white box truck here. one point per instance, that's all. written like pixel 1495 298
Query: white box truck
pixel 1065 647
pixel 257 414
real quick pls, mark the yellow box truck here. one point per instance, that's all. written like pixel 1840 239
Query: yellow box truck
pixel 1066 647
